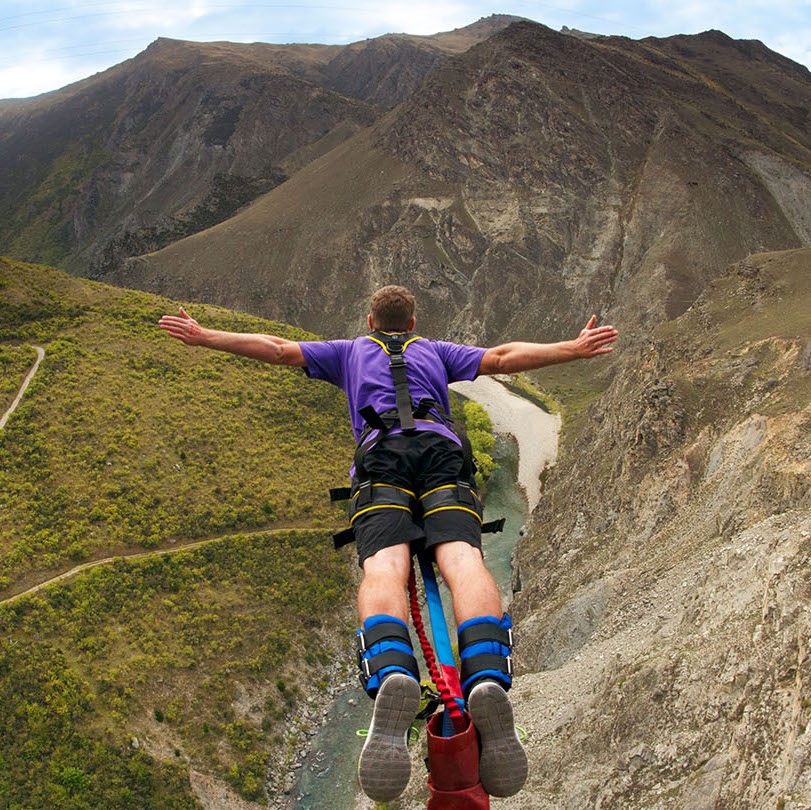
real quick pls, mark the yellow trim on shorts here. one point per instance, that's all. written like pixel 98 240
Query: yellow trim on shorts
pixel 445 508
pixel 407 491
pixel 381 506
pixel 444 486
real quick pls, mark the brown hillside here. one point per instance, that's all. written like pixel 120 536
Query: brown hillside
pixel 663 616
pixel 532 180
pixel 183 135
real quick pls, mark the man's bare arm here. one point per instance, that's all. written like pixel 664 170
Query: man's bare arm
pixel 268 348
pixel 512 357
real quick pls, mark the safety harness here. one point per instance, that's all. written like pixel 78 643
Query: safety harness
pixel 364 494
pixel 383 642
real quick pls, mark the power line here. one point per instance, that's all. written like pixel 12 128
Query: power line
pixel 114 10
pixel 65 55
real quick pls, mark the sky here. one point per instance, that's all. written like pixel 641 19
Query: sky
pixel 45 44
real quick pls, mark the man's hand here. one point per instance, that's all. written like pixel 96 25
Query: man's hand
pixel 183 328
pixel 267 348
pixel 511 357
pixel 593 341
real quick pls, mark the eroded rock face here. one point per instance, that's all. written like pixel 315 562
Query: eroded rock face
pixel 186 134
pixel 530 181
pixel 664 622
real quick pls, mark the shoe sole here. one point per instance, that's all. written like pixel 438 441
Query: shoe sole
pixel 384 767
pixel 503 763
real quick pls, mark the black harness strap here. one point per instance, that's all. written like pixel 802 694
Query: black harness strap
pixel 390 658
pixel 494 526
pixel 485 632
pixel 477 663
pixel 397 364
pixel 385 631
pixel 395 346
pixel 343 538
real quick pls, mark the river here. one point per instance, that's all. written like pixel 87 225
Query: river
pixel 526 443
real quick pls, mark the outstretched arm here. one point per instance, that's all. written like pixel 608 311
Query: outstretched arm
pixel 268 348
pixel 512 357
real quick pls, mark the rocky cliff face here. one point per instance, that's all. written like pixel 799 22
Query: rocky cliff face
pixel 664 623
pixel 185 134
pixel 531 179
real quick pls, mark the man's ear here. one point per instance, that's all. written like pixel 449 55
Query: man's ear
pixel 370 322
pixel 411 324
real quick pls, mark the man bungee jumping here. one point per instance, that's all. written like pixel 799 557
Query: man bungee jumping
pixel 412 489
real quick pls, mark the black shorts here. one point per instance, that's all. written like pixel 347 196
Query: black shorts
pixel 419 463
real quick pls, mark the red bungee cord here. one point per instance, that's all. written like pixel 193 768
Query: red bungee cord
pixel 451 706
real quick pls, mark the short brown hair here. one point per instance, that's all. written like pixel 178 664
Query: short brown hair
pixel 392 308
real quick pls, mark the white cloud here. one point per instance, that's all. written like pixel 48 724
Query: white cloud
pixel 738 18
pixel 420 17
pixel 795 45
pixel 35 75
pixel 79 37
pixel 136 15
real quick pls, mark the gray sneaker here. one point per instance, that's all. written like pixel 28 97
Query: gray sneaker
pixel 384 767
pixel 503 763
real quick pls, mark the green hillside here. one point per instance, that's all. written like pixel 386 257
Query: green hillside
pixel 129 441
pixel 14 364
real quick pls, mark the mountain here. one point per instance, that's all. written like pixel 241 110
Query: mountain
pixel 663 619
pixel 530 181
pixel 184 134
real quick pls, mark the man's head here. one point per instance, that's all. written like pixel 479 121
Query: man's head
pixel 392 310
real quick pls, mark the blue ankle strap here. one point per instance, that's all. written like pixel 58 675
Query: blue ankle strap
pixel 387 650
pixel 486 654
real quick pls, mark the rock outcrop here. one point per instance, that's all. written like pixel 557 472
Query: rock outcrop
pixel 663 621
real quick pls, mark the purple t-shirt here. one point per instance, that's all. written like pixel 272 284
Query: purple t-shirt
pixel 360 368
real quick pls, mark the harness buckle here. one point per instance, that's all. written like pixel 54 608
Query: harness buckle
pixel 397 360
pixel 463 491
pixel 364 493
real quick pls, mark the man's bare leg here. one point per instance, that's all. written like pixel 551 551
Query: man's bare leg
pixel 384 767
pixel 383 590
pixel 473 588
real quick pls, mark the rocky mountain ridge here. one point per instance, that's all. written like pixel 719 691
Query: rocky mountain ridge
pixel 531 179
pixel 664 608
pixel 183 135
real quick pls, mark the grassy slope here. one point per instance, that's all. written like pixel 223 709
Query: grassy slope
pixel 124 440
pixel 15 361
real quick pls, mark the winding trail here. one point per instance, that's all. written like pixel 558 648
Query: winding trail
pixel 28 377
pixel 140 555
pixel 535 431
pixel 135 555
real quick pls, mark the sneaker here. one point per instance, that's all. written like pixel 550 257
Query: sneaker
pixel 503 763
pixel 384 767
